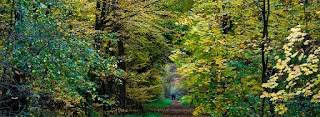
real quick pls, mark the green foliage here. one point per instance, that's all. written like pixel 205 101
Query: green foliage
pixel 220 55
pixel 55 45
pixel 146 87
pixel 159 104
pixel 61 57
pixel 53 60
pixel 185 100
pixel 211 62
pixel 141 26
pixel 179 6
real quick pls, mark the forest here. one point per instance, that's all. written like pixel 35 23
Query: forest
pixel 160 58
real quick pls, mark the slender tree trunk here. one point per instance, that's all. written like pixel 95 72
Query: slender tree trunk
pixel 305 15
pixel 264 80
pixel 12 11
pixel 97 22
pixel 121 64
pixel 264 57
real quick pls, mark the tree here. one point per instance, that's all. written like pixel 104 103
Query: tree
pixel 214 66
pixel 141 46
pixel 221 52
pixel 45 62
pixel 298 74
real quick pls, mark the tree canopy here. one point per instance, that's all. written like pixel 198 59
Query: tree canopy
pixel 114 57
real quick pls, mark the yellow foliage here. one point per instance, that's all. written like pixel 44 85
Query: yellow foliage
pixel 292 71
pixel 316 97
pixel 281 108
pixel 271 82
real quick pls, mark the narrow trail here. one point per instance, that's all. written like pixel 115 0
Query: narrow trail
pixel 176 110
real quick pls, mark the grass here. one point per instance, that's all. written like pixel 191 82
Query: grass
pixel 159 104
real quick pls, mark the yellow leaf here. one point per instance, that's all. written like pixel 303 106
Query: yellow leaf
pixel 281 64
pixel 273 42
pixel 301 56
pixel 281 108
pixel 294 55
pixel 242 45
pixel 36 88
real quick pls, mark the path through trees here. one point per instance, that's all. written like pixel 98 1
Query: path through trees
pixel 176 110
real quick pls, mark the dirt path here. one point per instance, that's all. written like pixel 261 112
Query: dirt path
pixel 176 110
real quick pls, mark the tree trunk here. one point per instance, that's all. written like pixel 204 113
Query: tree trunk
pixel 122 66
pixel 264 58
pixel 121 59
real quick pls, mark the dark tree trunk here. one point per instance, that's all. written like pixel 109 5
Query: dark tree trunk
pixel 122 65
pixel 306 18
pixel 121 53
pixel 264 57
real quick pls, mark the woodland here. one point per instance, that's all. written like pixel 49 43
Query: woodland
pixel 121 58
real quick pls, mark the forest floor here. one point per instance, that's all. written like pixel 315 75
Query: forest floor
pixel 176 109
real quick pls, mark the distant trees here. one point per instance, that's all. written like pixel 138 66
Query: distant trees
pixel 140 46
